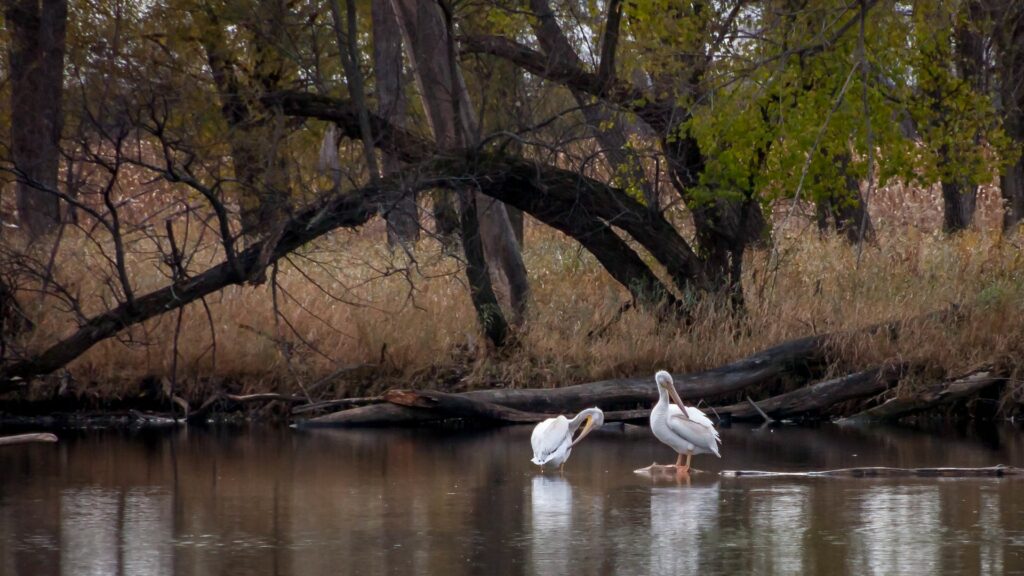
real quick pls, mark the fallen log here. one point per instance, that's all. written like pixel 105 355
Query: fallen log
pixel 796 356
pixel 389 414
pixel 458 406
pixel 802 357
pixel 930 397
pixel 882 472
pixel 27 438
pixel 817 398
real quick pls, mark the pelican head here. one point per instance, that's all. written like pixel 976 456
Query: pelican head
pixel 593 418
pixel 664 380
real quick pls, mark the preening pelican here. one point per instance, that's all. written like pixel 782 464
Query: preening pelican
pixel 684 428
pixel 552 439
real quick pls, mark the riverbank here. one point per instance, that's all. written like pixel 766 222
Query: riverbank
pixel 355 319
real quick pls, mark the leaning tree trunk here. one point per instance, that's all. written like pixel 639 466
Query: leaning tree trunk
pixel 431 51
pixel 402 215
pixel 36 55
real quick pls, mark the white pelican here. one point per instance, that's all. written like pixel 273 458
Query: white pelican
pixel 552 439
pixel 684 428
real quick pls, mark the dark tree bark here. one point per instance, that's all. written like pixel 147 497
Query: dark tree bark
pixel 959 200
pixel 255 133
pixel 1006 18
pixel 846 214
pixel 426 31
pixel 36 55
pixel 402 215
pixel 960 197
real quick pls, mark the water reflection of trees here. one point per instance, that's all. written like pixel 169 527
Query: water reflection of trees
pixel 416 502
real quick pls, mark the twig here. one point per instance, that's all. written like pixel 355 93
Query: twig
pixel 767 419
pixel 341 402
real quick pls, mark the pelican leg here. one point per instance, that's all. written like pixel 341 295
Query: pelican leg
pixel 683 469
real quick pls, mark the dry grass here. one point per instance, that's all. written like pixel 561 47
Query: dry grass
pixel 348 301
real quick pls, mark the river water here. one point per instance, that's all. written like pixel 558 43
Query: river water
pixel 285 502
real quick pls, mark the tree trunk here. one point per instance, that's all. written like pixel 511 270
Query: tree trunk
pixel 959 196
pixel 725 227
pixel 1012 185
pixel 402 214
pixel 256 133
pixel 431 51
pixel 1007 20
pixel 36 56
pixel 848 213
pixel 959 200
pixel 481 292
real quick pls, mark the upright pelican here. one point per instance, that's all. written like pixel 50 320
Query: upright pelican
pixel 552 439
pixel 684 428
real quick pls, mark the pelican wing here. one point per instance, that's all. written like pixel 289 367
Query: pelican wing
pixel 699 432
pixel 548 436
pixel 696 415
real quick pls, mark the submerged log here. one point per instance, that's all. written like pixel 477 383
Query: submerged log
pixel 882 472
pixel 27 438
pixel 817 398
pixel 930 397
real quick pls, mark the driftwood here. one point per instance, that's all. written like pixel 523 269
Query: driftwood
pixel 817 397
pixel 880 472
pixel 793 357
pixel 930 397
pixel 27 438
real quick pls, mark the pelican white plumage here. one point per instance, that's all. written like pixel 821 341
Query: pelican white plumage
pixel 685 429
pixel 552 439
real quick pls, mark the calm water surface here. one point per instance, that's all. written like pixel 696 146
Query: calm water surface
pixel 279 502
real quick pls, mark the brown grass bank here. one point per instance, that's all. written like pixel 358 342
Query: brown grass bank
pixel 349 305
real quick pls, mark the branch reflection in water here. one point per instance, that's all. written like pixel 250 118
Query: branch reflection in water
pixel 381 502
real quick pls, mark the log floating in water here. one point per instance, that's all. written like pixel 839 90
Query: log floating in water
pixel 883 472
pixel 930 397
pixel 818 397
pixel 27 438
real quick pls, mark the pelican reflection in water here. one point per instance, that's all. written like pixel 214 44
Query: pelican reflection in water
pixel 685 429
pixel 551 507
pixel 552 439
